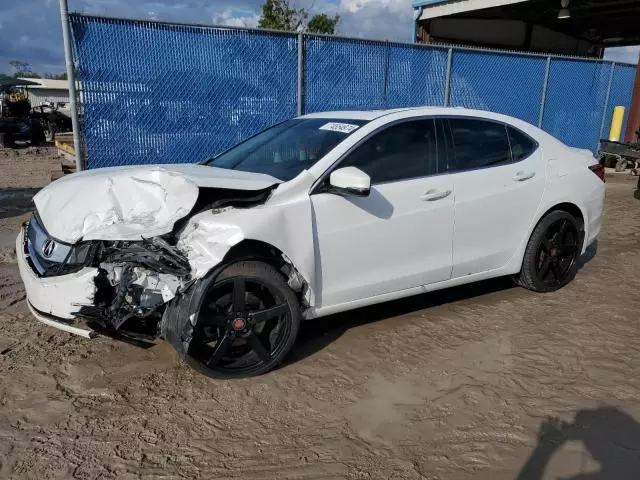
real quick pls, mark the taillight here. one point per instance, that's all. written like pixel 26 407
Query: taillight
pixel 598 170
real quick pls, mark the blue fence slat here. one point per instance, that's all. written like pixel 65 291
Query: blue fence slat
pixel 343 74
pixel 156 93
pixel 416 76
pixel 575 101
pixel 164 93
pixel 503 83
pixel 621 92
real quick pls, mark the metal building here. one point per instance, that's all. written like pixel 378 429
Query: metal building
pixel 569 27
pixel 48 91
pixel 582 28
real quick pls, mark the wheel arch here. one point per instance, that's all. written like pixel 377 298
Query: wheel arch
pixel 568 207
pixel 515 264
pixel 250 249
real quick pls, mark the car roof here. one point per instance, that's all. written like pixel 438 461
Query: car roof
pixel 410 112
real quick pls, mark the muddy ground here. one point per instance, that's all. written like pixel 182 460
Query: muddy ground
pixel 484 382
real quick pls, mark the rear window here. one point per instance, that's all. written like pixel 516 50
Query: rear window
pixel 479 143
pixel 521 144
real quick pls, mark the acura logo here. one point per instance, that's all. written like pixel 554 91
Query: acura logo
pixel 47 248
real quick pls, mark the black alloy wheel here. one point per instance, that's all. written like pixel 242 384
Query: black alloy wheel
pixel 247 322
pixel 557 252
pixel 551 257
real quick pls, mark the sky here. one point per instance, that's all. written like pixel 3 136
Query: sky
pixel 30 29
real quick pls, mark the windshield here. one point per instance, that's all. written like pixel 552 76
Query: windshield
pixel 286 149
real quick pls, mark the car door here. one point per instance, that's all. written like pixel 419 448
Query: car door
pixel 499 177
pixel 400 235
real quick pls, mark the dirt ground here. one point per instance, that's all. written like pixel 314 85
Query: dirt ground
pixel 485 382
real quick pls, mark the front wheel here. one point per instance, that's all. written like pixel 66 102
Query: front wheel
pixel 247 320
pixel 550 260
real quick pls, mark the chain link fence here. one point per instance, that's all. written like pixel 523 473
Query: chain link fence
pixel 155 92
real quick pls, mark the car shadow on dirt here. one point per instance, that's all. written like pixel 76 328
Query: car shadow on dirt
pixel 610 436
pixel 317 334
pixel 16 201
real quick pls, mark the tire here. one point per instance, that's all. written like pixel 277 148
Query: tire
pixel 50 132
pixel 37 134
pixel 6 140
pixel 621 165
pixel 223 343
pixel 551 258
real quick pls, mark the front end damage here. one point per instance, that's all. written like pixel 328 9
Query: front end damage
pixel 124 288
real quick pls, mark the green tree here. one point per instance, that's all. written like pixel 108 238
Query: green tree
pixel 323 23
pixel 283 15
pixel 53 76
pixel 22 69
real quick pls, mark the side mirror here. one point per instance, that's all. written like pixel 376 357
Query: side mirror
pixel 350 181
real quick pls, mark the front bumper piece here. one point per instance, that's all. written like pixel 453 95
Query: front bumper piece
pixel 54 300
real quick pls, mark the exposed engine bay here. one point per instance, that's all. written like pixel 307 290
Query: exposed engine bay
pixel 135 280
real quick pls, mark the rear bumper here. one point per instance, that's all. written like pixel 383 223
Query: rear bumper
pixel 595 209
pixel 55 300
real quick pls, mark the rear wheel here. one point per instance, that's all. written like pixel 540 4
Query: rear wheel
pixel 49 131
pixel 6 140
pixel 247 322
pixel 550 260
pixel 37 134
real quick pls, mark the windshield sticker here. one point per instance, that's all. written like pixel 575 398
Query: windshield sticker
pixel 339 127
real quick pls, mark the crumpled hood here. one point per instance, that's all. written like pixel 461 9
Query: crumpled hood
pixel 128 203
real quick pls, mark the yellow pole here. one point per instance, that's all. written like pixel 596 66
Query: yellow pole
pixel 616 124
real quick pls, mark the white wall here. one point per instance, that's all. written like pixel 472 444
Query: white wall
pixel 38 96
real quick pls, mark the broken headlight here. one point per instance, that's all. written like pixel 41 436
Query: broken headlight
pixel 49 257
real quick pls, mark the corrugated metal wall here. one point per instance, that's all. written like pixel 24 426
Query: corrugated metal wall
pixel 38 96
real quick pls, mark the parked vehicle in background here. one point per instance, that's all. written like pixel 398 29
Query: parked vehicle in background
pixel 55 118
pixel 620 155
pixel 316 215
pixel 16 121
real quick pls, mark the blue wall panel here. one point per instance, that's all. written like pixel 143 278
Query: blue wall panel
pixel 417 76
pixel 621 92
pixel 155 93
pixel 343 74
pixel 575 101
pixel 163 93
pixel 509 84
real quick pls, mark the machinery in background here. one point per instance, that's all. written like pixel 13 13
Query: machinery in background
pixel 19 122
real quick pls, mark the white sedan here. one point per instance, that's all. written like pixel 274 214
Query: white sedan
pixel 316 215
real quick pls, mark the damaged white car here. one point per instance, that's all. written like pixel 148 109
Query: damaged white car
pixel 316 215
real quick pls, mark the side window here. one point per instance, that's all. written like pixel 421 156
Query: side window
pixel 402 151
pixel 521 145
pixel 478 143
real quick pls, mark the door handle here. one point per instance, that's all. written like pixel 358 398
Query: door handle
pixel 433 195
pixel 523 176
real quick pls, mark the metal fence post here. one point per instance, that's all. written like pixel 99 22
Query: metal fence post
pixel 545 87
pixel 300 106
pixel 385 79
pixel 606 101
pixel 68 56
pixel 447 87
